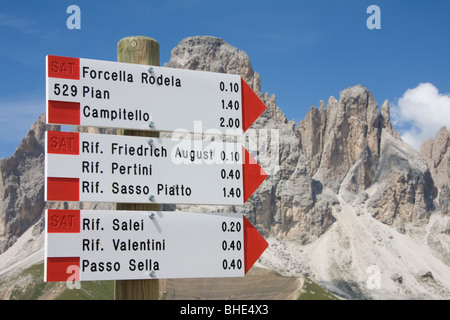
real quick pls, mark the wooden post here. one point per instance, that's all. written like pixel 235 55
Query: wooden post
pixel 139 50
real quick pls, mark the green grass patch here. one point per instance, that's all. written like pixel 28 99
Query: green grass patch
pixel 312 291
pixel 30 285
pixel 89 290
pixel 35 284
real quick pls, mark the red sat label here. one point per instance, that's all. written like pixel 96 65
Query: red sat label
pixel 63 67
pixel 63 221
pixel 63 142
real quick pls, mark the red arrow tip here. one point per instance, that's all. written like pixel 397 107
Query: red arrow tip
pixel 254 175
pixel 254 246
pixel 252 106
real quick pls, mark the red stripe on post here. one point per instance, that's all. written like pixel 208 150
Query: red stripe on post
pixel 63 189
pixel 63 221
pixel 63 112
pixel 61 269
pixel 63 67
pixel 63 142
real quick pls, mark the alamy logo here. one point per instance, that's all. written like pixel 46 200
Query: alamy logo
pixel 73 281
pixel 374 21
pixel 74 20
pixel 374 280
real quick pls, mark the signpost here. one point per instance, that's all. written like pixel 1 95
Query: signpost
pixel 123 169
pixel 129 96
pixel 106 245
pixel 139 171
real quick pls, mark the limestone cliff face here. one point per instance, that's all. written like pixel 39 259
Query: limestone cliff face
pixel 289 203
pixel 347 148
pixel 22 185
pixel 437 154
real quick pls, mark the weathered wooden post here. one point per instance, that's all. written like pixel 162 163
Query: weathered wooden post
pixel 139 50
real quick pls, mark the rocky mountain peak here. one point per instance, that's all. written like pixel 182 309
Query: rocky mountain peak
pixel 335 137
pixel 22 185
pixel 206 53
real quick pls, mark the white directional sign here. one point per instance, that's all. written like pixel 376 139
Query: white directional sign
pixel 114 168
pixel 121 95
pixel 113 245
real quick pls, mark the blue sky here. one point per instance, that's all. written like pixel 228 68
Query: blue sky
pixel 305 51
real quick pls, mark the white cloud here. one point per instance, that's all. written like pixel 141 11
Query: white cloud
pixel 420 113
pixel 17 23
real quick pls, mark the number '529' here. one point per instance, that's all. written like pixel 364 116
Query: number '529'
pixel 65 90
